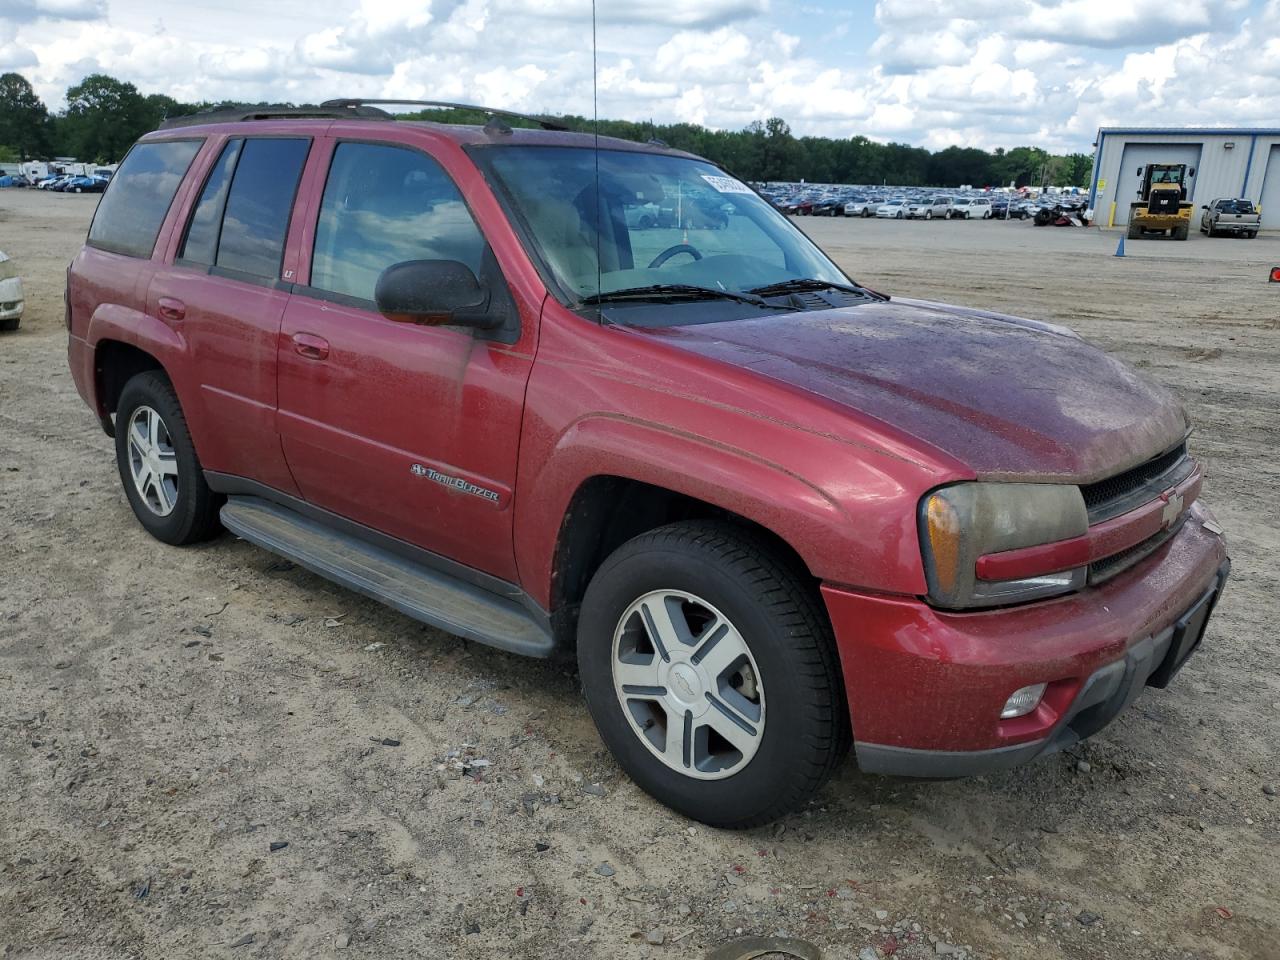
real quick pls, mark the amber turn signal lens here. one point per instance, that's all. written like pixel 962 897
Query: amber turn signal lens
pixel 944 538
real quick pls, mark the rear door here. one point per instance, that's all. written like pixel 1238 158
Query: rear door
pixel 410 430
pixel 224 294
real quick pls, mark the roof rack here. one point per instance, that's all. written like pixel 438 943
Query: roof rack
pixel 330 110
pixel 544 122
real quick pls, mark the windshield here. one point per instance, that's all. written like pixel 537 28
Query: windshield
pixel 660 220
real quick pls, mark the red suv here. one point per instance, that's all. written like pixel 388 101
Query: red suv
pixel 771 510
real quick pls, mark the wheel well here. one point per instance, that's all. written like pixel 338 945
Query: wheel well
pixel 605 513
pixel 115 364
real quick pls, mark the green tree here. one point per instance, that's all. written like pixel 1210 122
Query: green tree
pixel 1022 166
pixel 767 151
pixel 24 121
pixel 103 117
pixel 780 152
pixel 1079 169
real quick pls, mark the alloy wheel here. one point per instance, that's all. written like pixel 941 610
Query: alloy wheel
pixel 153 463
pixel 688 684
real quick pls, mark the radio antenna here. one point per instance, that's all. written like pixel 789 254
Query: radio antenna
pixel 595 123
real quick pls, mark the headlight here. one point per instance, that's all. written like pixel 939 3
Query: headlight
pixel 962 523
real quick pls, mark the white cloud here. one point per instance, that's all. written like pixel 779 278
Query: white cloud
pixel 20 11
pixel 934 72
pixel 686 13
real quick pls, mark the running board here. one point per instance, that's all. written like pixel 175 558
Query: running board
pixel 423 593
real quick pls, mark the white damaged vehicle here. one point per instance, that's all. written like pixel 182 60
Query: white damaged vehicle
pixel 11 298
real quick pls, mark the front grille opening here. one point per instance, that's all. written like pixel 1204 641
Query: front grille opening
pixel 1121 493
pixel 1108 567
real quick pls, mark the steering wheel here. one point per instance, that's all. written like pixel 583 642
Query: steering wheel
pixel 672 251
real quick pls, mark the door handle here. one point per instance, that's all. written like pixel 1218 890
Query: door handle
pixel 171 309
pixel 310 346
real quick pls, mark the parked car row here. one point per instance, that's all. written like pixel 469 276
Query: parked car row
pixel 74 183
pixel 918 204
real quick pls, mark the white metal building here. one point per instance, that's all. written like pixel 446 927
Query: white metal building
pixel 1228 163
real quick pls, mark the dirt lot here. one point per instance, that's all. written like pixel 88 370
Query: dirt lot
pixel 168 716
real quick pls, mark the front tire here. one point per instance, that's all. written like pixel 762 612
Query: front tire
pixel 710 670
pixel 158 464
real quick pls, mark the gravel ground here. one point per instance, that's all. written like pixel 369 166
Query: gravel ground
pixel 209 752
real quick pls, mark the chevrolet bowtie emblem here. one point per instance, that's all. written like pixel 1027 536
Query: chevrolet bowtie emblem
pixel 1172 509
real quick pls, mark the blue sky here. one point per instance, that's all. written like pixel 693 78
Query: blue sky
pixel 983 73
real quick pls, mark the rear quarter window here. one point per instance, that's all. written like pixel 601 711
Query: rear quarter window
pixel 132 210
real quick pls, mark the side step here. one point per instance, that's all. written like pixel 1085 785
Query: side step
pixel 416 590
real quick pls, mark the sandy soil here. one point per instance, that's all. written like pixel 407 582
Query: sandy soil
pixel 167 716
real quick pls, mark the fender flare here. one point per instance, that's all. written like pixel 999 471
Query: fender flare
pixel 112 322
pixel 742 483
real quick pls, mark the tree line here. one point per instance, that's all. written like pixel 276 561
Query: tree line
pixel 104 115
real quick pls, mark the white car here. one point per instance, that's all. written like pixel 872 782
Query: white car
pixel 860 208
pixel 892 210
pixel 930 209
pixel 975 208
pixel 11 298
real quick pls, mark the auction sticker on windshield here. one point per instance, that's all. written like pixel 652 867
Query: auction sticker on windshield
pixel 726 184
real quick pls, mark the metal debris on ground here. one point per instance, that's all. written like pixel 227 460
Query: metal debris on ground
pixel 747 948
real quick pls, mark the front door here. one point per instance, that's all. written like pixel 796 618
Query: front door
pixel 411 430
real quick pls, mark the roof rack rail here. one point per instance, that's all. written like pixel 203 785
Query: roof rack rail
pixel 326 111
pixel 544 122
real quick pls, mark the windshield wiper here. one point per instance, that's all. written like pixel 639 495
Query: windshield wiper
pixel 799 284
pixel 674 292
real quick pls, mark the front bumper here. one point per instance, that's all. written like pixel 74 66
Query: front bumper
pixel 925 686
pixel 12 300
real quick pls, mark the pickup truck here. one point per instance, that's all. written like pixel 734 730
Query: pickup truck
pixel 1230 216
pixel 774 513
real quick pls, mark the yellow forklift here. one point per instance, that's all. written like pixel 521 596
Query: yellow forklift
pixel 1162 206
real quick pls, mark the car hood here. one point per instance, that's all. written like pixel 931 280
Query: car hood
pixel 1010 398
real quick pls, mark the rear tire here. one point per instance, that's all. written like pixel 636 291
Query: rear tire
pixel 158 465
pixel 1135 231
pixel 748 650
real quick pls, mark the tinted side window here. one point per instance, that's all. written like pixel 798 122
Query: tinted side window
pixel 384 205
pixel 258 207
pixel 201 242
pixel 131 212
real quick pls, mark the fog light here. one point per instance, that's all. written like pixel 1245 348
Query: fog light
pixel 1022 702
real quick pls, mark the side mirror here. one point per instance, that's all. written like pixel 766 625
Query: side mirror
pixel 433 293
pixel 1191 172
pixel 1205 207
pixel 1140 171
